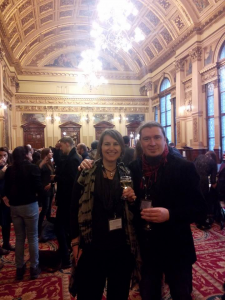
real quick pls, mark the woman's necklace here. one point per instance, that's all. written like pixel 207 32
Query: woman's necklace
pixel 111 172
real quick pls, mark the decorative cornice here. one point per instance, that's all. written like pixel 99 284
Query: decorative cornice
pixel 179 65
pixel 7 91
pixel 196 54
pixel 74 75
pixel 209 76
pixel 155 102
pixel 208 68
pixel 80 109
pixel 24 99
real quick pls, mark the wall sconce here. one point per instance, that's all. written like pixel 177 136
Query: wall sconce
pixel 131 135
pixel 52 118
pixel 87 119
pixel 117 118
pixel 3 106
pixel 187 108
pixel 64 133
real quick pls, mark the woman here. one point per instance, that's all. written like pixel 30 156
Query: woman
pixel 5 218
pixel 103 237
pixel 22 182
pixel 46 171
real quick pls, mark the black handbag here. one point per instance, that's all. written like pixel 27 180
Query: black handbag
pixel 73 279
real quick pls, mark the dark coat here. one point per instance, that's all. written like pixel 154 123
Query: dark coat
pixel 128 155
pixel 65 176
pixel 22 185
pixel 177 189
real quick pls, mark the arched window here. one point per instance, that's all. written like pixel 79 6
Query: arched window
pixel 165 109
pixel 222 52
pixel 210 116
pixel 222 97
pixel 156 113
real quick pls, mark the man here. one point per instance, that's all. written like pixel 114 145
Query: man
pixel 93 152
pixel 171 186
pixel 65 176
pixel 82 150
pixel 129 152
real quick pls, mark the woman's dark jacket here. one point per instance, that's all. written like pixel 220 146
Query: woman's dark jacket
pixel 22 184
pixel 177 189
pixel 46 179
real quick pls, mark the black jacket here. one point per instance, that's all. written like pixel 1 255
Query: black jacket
pixel 65 176
pixel 177 189
pixel 128 155
pixel 22 185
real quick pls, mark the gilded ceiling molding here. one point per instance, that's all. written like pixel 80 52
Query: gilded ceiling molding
pixel 80 109
pixel 196 54
pixel 69 74
pixel 81 101
pixel 2 53
pixel 179 65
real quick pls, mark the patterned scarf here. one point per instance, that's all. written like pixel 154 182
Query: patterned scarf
pixel 150 171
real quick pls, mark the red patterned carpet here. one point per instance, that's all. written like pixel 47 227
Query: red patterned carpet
pixel 208 273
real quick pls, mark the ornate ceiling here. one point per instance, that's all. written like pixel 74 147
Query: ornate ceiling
pixel 48 34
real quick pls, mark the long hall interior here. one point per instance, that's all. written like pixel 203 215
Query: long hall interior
pixel 67 71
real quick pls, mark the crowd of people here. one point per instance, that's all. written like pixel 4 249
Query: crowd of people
pixel 120 210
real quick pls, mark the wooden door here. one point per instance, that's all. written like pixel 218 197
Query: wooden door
pixel 33 134
pixel 132 131
pixel 71 129
pixel 100 127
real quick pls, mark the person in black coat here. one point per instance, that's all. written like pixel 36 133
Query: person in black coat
pixel 66 173
pixel 129 152
pixel 22 182
pixel 169 187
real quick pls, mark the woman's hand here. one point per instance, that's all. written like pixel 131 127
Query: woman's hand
pixel 44 161
pixel 47 187
pixel 4 168
pixel 6 201
pixel 129 194
pixel 86 164
pixel 77 253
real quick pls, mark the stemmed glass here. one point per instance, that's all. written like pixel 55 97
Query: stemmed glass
pixel 146 203
pixel 125 182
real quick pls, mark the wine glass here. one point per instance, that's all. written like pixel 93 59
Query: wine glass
pixel 125 182
pixel 146 203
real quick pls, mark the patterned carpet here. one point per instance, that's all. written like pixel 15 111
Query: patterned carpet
pixel 208 273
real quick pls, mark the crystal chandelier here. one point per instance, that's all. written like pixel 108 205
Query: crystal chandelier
pixel 90 65
pixel 113 33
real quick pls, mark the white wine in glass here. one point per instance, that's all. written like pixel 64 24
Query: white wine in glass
pixel 125 182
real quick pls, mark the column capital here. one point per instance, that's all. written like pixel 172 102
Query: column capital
pixel 196 54
pixel 179 65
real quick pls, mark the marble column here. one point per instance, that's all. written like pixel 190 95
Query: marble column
pixel 2 118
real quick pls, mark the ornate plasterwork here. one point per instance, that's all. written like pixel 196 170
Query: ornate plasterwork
pixel 155 102
pixel 209 75
pixel 20 99
pixel 178 132
pixel 196 54
pixel 195 129
pixel 147 87
pixel 179 65
pixel 80 109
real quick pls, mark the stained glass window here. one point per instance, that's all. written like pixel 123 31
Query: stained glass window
pixel 210 116
pixel 165 109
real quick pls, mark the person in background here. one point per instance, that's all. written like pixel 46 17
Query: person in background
pixel 65 176
pixel 206 166
pixel 22 182
pixel 172 149
pixel 102 249
pixel 36 157
pixel 82 150
pixel 47 170
pixel 129 152
pixel 5 217
pixel 92 153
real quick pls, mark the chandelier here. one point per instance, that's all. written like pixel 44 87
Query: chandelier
pixel 90 65
pixel 113 33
